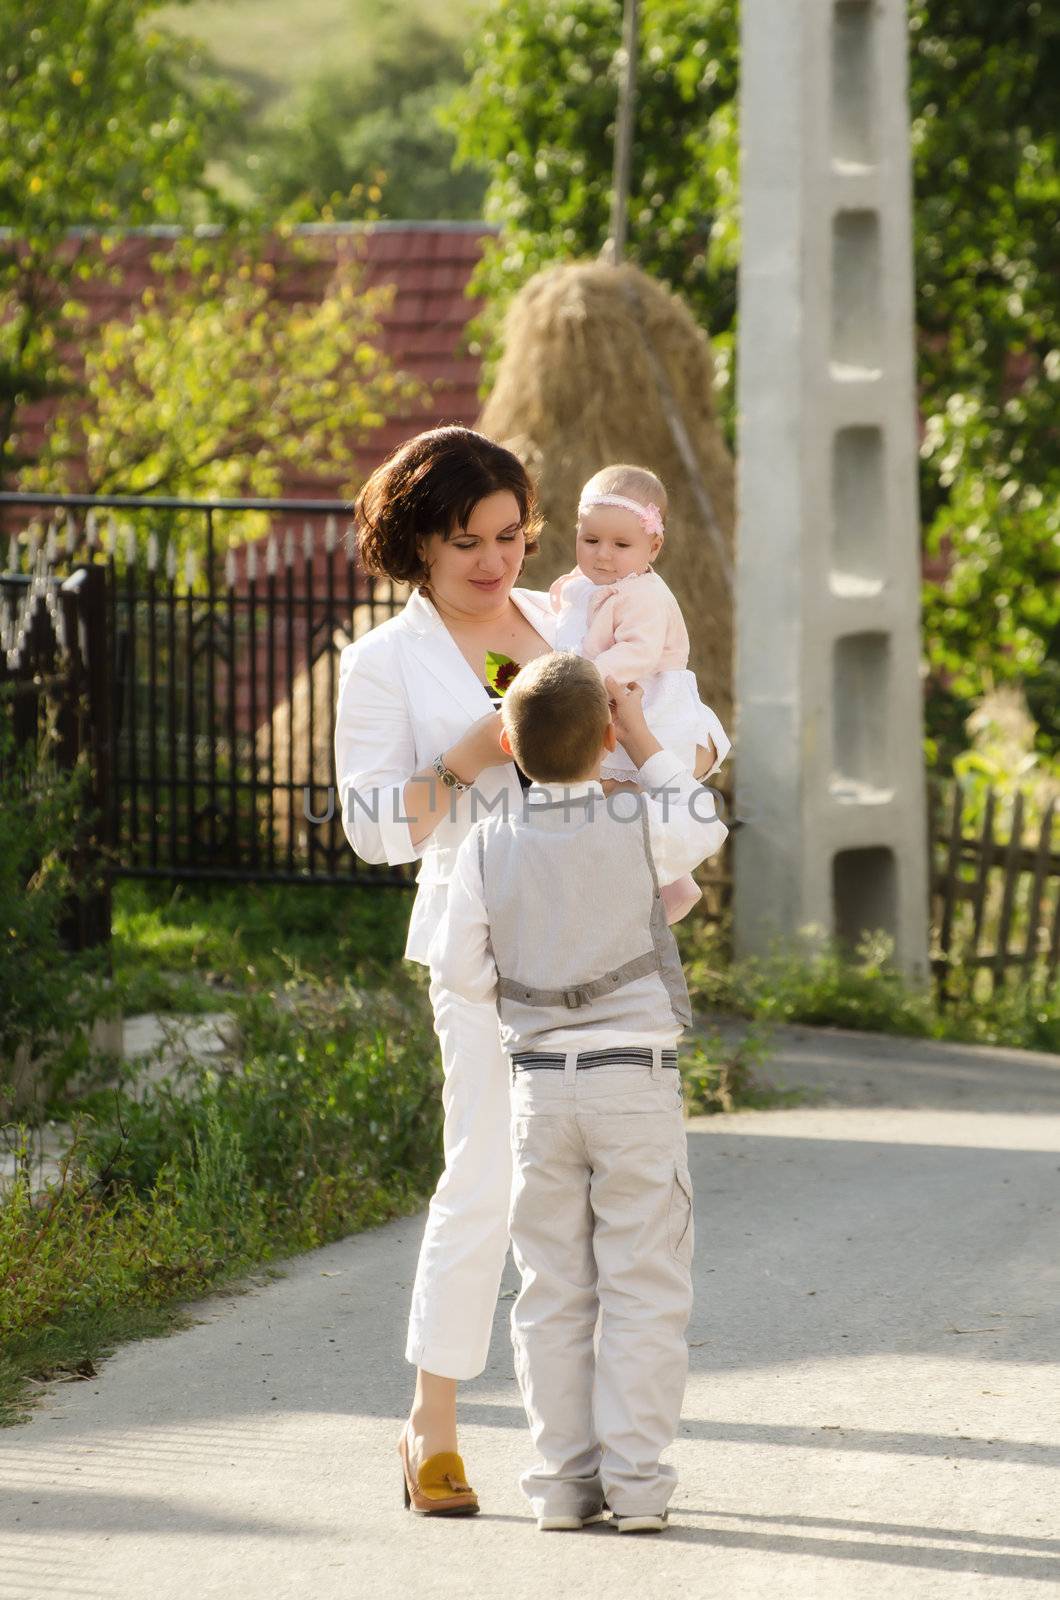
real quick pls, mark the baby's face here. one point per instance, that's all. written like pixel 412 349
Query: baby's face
pixel 612 543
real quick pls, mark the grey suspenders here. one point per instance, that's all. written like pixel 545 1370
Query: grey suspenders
pixel 653 960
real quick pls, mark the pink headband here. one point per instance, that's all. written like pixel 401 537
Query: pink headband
pixel 650 515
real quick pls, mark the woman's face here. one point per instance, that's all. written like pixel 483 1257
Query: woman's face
pixel 472 572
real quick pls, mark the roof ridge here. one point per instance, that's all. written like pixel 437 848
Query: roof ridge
pixel 213 230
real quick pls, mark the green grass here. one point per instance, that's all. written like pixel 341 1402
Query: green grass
pixel 328 1122
pixel 184 949
pixel 71 1349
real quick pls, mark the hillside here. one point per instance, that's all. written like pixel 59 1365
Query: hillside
pixel 272 48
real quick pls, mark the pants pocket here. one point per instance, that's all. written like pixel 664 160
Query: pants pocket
pixel 681 1221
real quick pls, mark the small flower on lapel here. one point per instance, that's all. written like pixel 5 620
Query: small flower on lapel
pixel 501 671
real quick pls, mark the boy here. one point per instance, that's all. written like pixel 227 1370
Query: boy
pixel 556 912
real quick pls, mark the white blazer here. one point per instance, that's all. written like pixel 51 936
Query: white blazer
pixel 406 693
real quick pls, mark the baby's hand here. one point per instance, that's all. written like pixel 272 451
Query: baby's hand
pixel 627 718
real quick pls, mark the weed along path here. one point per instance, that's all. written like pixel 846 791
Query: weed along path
pixel 871 1410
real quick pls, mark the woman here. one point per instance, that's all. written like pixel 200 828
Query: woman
pixel 418 758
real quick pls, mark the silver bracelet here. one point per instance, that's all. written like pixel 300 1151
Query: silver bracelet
pixel 448 777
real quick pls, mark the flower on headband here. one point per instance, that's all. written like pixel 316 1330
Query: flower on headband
pixel 651 517
pixel 501 671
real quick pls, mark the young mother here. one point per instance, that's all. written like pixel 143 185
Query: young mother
pixel 453 514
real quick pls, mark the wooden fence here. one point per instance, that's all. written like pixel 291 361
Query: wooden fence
pixel 995 887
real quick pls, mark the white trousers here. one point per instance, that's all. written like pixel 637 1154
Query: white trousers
pixel 465 1241
pixel 603 1232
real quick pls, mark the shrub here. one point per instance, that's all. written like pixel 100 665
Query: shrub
pixel 330 1082
pixel 45 993
pixel 722 1076
pixel 831 987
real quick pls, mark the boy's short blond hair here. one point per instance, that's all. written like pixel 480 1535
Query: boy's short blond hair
pixel 555 714
pixel 637 483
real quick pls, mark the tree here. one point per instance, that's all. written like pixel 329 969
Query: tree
pixel 985 117
pixel 103 123
pixel 985 102
pixel 218 381
pixel 539 114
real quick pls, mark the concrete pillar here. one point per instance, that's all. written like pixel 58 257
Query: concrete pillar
pixel 830 762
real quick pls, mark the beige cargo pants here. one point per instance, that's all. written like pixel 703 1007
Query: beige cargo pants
pixel 602 1233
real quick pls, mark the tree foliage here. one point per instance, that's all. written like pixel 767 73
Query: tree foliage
pixel 985 90
pixel 223 375
pixel 102 124
pixel 220 380
pixel 539 111
pixel 368 144
pixel 539 114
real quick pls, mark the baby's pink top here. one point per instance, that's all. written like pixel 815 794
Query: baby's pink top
pixel 635 626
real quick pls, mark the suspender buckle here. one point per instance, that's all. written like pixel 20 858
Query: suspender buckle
pixel 573 998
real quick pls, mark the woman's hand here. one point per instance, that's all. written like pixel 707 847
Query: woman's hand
pixel 478 748
pixel 427 800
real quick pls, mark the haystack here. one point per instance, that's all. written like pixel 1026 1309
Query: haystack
pixel 602 364
pixel 291 732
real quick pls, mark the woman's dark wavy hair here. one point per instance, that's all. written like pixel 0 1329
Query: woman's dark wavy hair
pixel 432 484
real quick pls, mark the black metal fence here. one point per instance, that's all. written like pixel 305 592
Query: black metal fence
pixel 223 623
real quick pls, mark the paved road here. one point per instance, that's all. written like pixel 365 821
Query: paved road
pixel 871 1410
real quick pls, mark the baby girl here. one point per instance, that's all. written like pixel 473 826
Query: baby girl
pixel 618 613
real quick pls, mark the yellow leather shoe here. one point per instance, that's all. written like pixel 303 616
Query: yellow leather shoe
pixel 442 1489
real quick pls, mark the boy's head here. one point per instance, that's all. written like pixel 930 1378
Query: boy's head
pixel 621 514
pixel 557 719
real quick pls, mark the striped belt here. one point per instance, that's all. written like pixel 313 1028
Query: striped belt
pixel 617 1056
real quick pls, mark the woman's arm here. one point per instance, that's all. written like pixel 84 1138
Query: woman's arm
pixel 389 810
pixel 374 754
pixel 427 800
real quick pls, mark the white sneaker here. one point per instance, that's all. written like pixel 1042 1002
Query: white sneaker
pixel 567 1524
pixel 652 1522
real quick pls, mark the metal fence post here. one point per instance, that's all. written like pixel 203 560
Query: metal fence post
pixel 87 731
